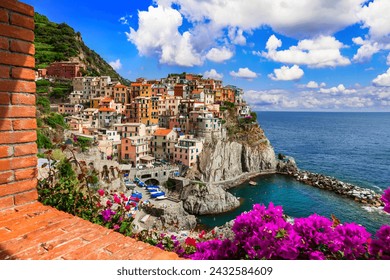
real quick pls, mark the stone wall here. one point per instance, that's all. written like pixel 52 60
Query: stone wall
pixel 18 149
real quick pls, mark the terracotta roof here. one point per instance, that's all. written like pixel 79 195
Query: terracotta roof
pixel 162 132
pixel 106 110
pixel 120 86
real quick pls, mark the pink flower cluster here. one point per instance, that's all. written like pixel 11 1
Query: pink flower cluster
pixel 386 200
pixel 264 233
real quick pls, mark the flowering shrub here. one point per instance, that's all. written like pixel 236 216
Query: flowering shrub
pixel 386 200
pixel 168 242
pixel 380 248
pixel 265 234
pixel 115 213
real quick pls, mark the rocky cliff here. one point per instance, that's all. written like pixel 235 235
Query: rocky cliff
pixel 244 152
pixel 203 199
pixel 229 160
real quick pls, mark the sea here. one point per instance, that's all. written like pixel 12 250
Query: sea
pixel 352 147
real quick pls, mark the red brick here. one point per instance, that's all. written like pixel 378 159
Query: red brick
pixel 5 151
pixel 17 112
pixel 6 177
pixel 18 163
pixel 25 124
pixel 17 86
pixel 6 202
pixel 16 32
pixel 23 21
pixel 4 45
pixel 5 125
pixel 26 197
pixel 5 164
pixel 18 187
pixel 18 7
pixel 26 174
pixel 22 47
pixel 18 137
pixel 26 149
pixel 4 72
pixel 23 73
pixel 3 16
pixel 16 59
pixel 4 98
pixel 22 99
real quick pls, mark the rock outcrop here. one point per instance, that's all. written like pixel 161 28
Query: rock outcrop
pixel 172 218
pixel 202 199
pixel 229 160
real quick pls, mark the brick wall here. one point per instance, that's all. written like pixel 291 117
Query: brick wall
pixel 18 149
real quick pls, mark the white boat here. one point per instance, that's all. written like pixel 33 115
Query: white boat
pixel 253 183
pixel 162 197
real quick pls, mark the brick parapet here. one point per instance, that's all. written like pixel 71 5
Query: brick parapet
pixel 18 159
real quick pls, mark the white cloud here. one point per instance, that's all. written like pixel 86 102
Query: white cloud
pixel 117 65
pixel 375 16
pixel 340 89
pixel 313 84
pixel 125 19
pixel 244 73
pixel 388 60
pixel 364 98
pixel 382 80
pixel 323 51
pixel 294 18
pixel 287 74
pixel 219 55
pixel 236 36
pixel 366 51
pixel 158 35
pixel 213 74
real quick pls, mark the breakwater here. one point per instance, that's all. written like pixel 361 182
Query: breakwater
pixel 358 194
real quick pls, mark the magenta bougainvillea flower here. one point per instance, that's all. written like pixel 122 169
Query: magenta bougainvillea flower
pixel 107 214
pixel 101 192
pixel 386 200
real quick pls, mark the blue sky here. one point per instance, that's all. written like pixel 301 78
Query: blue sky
pixel 309 55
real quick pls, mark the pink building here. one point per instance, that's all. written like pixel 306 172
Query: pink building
pixel 134 150
pixel 187 150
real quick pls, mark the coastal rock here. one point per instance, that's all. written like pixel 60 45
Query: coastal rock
pixel 202 199
pixel 364 196
pixel 174 219
pixel 228 160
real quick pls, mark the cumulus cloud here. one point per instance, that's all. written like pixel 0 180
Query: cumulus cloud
pixel 244 73
pixel 375 16
pixel 363 98
pixel 340 89
pixel 324 51
pixel 219 55
pixel 366 51
pixel 287 74
pixel 388 60
pixel 313 85
pixel 236 36
pixel 382 80
pixel 117 65
pixel 294 18
pixel 158 34
pixel 213 74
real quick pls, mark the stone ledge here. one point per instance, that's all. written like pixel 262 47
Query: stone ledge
pixel 35 231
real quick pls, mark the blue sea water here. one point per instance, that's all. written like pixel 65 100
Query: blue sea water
pixel 352 147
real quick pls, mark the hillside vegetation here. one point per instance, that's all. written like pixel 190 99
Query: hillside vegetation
pixel 59 42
